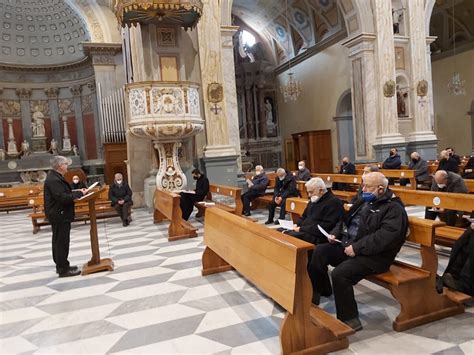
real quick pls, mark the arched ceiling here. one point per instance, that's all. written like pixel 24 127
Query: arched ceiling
pixel 309 21
pixel 40 33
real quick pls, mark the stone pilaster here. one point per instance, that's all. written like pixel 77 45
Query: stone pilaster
pixel 24 95
pixel 364 94
pixel 387 118
pixel 52 94
pixel 76 92
pixel 97 126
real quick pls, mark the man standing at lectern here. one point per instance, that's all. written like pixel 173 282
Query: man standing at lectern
pixel 59 209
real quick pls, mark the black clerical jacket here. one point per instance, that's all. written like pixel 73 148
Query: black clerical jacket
pixel 59 199
pixel 202 188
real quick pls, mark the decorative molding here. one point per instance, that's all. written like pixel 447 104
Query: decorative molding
pixel 92 49
pixel 91 85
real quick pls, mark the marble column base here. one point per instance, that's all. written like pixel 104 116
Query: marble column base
pixel 428 149
pixel 222 169
pixel 212 151
pixel 382 151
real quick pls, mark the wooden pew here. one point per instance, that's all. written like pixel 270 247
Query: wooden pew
pixel 167 207
pixel 276 264
pixel 414 287
pixel 229 191
pixel 81 210
pixel 445 235
pixel 17 197
pixel 470 185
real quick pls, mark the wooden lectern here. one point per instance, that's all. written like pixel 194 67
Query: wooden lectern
pixel 96 264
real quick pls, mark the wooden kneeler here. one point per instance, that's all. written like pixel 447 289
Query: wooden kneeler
pixel 96 264
pixel 277 264
pixel 167 207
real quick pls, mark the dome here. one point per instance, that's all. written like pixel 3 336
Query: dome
pixel 40 33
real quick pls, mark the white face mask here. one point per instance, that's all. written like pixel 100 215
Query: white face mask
pixel 75 181
pixel 301 167
pixel 314 198
pixel 281 178
pixel 441 186
pixel 119 182
pixel 258 172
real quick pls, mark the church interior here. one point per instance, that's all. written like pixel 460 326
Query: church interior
pixel 159 93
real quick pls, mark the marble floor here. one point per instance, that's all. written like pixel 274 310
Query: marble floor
pixel 156 301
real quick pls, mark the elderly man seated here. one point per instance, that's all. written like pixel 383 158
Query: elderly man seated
pixel 324 209
pixel 77 184
pixel 446 181
pixel 121 196
pixel 364 242
pixel 285 186
pixel 421 170
pixel 257 186
pixel 303 173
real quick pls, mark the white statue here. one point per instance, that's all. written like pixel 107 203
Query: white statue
pixel 25 148
pixel 268 112
pixel 38 123
pixel 2 154
pixel 53 148
pixel 75 151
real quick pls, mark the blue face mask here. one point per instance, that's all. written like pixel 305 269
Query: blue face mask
pixel 368 196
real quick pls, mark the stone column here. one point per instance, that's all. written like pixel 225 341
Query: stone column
pixel 261 112
pixel 52 94
pixel 97 126
pixel 81 142
pixel 230 91
pixel 2 143
pixel 24 95
pixel 388 134
pixel 220 155
pixel 364 94
pixel 249 112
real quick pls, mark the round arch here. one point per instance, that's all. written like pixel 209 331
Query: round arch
pixel 358 16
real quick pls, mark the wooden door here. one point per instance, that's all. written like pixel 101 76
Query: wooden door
pixel 115 155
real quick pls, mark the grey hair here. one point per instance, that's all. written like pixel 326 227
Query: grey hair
pixel 415 154
pixel 259 167
pixel 118 175
pixel 281 171
pixel 315 183
pixel 57 160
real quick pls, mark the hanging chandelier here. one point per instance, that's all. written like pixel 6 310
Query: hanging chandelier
pixel 291 90
pixel 456 84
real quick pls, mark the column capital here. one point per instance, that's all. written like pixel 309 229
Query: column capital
pixel 227 33
pixel 51 93
pixel 102 53
pixel 360 43
pixel 76 90
pixel 23 93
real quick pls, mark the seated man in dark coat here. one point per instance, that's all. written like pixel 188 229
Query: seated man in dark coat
pixel 393 161
pixel 346 168
pixel 77 184
pixel 257 186
pixel 285 186
pixel 370 234
pixel 324 209
pixel 303 173
pixel 468 172
pixel 447 162
pixel 200 192
pixel 452 154
pixel 120 195
pixel 446 181
pixel 459 274
pixel 421 170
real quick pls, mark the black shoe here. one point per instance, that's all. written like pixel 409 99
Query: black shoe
pixel 276 222
pixel 448 281
pixel 70 273
pixel 73 268
pixel 269 222
pixel 247 214
pixel 125 223
pixel 354 323
pixel 316 298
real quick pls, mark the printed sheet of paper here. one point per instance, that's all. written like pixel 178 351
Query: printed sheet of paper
pixel 321 229
pixel 286 224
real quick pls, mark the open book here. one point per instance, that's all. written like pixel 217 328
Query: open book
pixel 88 191
pixel 85 196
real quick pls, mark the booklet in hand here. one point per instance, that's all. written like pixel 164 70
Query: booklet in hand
pixel 286 224
pixel 321 229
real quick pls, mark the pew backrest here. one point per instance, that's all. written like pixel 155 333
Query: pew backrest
pixel 167 203
pixel 446 200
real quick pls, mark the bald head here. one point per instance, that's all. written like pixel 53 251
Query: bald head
pixel 444 154
pixel 441 177
pixel 376 179
pixel 415 155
